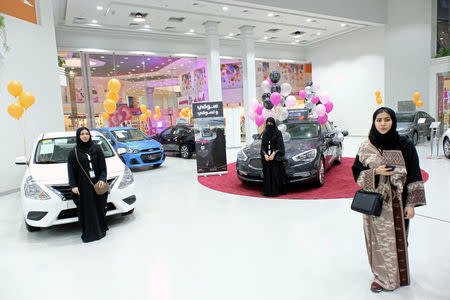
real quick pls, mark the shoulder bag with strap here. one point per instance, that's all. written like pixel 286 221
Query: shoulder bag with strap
pixel 369 203
pixel 99 190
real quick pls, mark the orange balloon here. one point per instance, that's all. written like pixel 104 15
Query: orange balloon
pixel 148 113
pixel 15 110
pixel 377 94
pixel 419 103
pixel 143 117
pixel 415 100
pixel 114 85
pixel 105 116
pixel 15 88
pixel 143 108
pixel 110 106
pixel 157 108
pixel 379 100
pixel 416 95
pixel 113 96
pixel 156 117
pixel 26 99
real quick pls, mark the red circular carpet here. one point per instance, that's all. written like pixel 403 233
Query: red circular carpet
pixel 339 183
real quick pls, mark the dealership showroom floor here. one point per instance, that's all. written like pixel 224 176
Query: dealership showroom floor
pixel 185 241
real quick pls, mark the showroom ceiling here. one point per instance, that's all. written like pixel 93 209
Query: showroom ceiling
pixel 186 17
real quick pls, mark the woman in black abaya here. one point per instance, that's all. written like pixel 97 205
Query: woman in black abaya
pixel 91 208
pixel 272 152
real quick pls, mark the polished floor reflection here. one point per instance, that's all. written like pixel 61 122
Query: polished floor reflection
pixel 187 242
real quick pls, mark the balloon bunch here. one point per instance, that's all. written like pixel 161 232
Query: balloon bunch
pixel 321 105
pixel 26 99
pixel 146 113
pixel 186 113
pixel 276 100
pixel 416 100
pixel 111 98
pixel 378 97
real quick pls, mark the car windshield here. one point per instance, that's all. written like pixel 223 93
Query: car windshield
pixel 303 130
pixel 405 118
pixel 56 150
pixel 129 135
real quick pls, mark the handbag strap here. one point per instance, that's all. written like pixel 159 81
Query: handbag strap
pixel 89 178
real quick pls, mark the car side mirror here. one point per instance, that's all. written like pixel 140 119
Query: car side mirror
pixel 330 135
pixel 21 160
pixel 344 132
pixel 121 151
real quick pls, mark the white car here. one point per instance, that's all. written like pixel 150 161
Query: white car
pixel 446 143
pixel 45 192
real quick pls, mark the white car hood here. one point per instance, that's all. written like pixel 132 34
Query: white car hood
pixel 57 173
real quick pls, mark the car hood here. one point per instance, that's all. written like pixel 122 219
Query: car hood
pixel 292 147
pixel 57 173
pixel 140 145
pixel 403 125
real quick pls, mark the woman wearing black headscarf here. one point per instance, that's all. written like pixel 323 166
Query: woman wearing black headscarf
pixel 402 189
pixel 91 208
pixel 272 153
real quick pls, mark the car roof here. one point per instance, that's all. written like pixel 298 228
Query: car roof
pixel 114 128
pixel 59 134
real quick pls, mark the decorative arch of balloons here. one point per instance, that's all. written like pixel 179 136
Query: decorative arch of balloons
pixel 277 99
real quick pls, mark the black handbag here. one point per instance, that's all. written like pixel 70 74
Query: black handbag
pixel 369 203
pixel 282 159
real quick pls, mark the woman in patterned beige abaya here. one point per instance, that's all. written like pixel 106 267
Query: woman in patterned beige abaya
pixel 402 190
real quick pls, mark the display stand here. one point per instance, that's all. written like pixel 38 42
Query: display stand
pixel 435 137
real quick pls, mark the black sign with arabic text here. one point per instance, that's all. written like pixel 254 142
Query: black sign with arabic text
pixel 207 110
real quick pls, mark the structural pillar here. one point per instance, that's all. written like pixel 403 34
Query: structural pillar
pixel 213 66
pixel 86 75
pixel 249 78
pixel 150 103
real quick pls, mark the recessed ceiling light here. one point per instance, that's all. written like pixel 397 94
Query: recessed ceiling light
pixel 121 62
pixel 231 34
pixel 343 25
pixel 126 57
pixel 148 58
pixel 143 63
pixel 133 70
pixel 308 20
pixel 225 8
pixel 102 56
pixel 271 14
pixel 94 21
pixel 99 7
pixel 265 37
pixel 93 68
pixel 191 30
pixel 147 26
pixel 318 33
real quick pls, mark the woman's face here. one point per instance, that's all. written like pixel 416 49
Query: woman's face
pixel 269 123
pixel 383 122
pixel 84 136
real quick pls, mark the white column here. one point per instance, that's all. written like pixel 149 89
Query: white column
pixel 86 74
pixel 249 77
pixel 213 67
pixel 150 103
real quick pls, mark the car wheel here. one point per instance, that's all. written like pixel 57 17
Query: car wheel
pixel 31 228
pixel 128 212
pixel 185 152
pixel 415 138
pixel 338 160
pixel 320 173
pixel 447 147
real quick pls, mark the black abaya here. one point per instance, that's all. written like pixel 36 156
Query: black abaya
pixel 91 208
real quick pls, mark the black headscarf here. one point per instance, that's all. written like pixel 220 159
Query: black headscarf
pixel 272 134
pixel 85 147
pixel 391 139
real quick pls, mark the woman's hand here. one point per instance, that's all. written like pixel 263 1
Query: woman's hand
pixel 101 183
pixel 75 191
pixel 382 170
pixel 266 157
pixel 272 156
pixel 409 212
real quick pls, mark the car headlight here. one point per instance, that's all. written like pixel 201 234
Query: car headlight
pixel 127 178
pixel 241 155
pixel 33 190
pixel 134 151
pixel 306 156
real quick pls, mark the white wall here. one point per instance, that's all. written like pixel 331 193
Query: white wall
pixel 351 69
pixel 33 61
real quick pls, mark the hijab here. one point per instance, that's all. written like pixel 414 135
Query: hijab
pixel 85 147
pixel 270 134
pixel 391 139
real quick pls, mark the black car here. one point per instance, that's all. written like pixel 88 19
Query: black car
pixel 311 151
pixel 179 139
pixel 414 124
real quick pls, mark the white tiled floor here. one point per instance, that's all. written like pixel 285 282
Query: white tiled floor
pixel 187 242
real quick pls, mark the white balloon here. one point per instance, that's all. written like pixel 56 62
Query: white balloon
pixel 307 88
pixel 286 89
pixel 266 113
pixel 265 86
pixel 316 86
pixel 286 136
pixel 282 128
pixel 284 114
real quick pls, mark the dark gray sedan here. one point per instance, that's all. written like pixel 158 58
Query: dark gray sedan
pixel 414 124
pixel 311 150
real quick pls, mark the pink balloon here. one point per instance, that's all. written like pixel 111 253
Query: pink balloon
pixel 315 99
pixel 275 98
pixel 325 98
pixel 269 81
pixel 259 109
pixel 266 113
pixel 254 104
pixel 320 110
pixel 322 119
pixel 302 94
pixel 251 114
pixel 259 120
pixel 329 106
pixel 290 101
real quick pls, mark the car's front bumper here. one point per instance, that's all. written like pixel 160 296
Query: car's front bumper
pixel 143 159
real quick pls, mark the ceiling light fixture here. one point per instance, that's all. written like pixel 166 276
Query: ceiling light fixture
pixel 99 7
pixel 94 21
pixel 191 30
pixel 225 8
pixel 265 38
pixel 126 57
pixel 271 14
pixel 343 25
pixel 147 26
pixel 308 20
pixel 318 33
pixel 138 18
pixel 102 56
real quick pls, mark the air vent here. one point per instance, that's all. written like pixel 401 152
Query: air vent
pixel 176 19
pixel 273 38
pixel 297 33
pixel 170 28
pixel 79 20
pixel 133 14
pixel 134 24
pixel 273 30
pixel 237 34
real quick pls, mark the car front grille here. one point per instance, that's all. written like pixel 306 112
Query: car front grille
pixel 255 163
pixel 65 191
pixel 149 150
pixel 149 158
pixel 72 212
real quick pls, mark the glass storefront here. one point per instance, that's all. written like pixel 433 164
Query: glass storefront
pixel 444 101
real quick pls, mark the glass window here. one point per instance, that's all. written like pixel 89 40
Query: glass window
pixel 56 150
pixel 166 132
pixel 303 130
pixel 405 117
pixel 442 28
pixel 129 135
